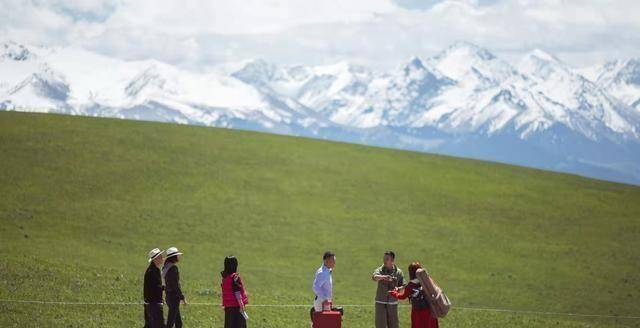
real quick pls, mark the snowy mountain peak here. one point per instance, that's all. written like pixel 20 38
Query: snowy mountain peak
pixel 256 70
pixel 414 63
pixel 464 48
pixel 630 72
pixel 541 64
pixel 15 51
pixel 543 56
pixel 472 66
pixel 621 79
pixel 41 90
pixel 419 71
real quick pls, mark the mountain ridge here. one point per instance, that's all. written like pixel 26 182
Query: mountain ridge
pixel 464 101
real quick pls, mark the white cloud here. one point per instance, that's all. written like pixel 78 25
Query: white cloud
pixel 381 33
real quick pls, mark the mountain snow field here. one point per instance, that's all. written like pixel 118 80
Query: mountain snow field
pixel 464 101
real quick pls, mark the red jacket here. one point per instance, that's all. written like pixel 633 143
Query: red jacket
pixel 420 314
pixel 230 285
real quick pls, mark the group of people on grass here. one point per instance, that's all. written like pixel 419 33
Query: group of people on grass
pixel 234 297
pixel 391 288
pixel 390 280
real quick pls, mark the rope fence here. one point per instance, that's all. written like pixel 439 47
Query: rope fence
pixel 463 308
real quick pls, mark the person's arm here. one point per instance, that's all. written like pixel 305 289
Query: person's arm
pixel 318 283
pixel 179 288
pixel 378 276
pixel 158 281
pixel 401 293
pixel 147 290
pixel 237 287
pixel 381 277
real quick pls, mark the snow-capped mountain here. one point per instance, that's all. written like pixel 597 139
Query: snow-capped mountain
pixel 621 79
pixel 325 89
pixel 464 101
pixel 73 81
pixel 570 99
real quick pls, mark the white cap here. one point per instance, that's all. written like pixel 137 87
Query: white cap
pixel 154 253
pixel 173 251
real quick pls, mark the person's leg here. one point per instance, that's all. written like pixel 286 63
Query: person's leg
pixel 392 316
pixel 415 319
pixel 171 316
pixel 381 316
pixel 227 319
pixel 317 305
pixel 236 320
pixel 241 322
pixel 160 316
pixel 156 320
pixel 421 319
pixel 432 321
pixel 178 316
pixel 146 317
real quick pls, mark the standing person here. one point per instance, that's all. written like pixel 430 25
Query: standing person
pixel 421 316
pixel 152 291
pixel 389 277
pixel 323 283
pixel 234 297
pixel 173 291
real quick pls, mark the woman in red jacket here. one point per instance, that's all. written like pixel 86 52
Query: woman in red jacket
pixel 234 297
pixel 420 314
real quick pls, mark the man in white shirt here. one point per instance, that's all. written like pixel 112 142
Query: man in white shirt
pixel 323 283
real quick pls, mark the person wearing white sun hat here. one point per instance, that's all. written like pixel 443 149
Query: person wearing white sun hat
pixel 153 317
pixel 173 292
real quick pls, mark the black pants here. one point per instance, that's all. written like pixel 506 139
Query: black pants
pixel 233 318
pixel 153 317
pixel 173 318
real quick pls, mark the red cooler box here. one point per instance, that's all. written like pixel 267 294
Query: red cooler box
pixel 327 319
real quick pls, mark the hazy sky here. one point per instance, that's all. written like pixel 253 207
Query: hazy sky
pixel 378 33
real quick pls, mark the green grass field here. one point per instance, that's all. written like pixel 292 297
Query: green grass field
pixel 84 199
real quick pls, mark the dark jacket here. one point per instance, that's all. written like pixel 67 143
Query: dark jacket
pixel 152 285
pixel 172 282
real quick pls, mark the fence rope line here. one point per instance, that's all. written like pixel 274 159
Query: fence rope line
pixel 464 308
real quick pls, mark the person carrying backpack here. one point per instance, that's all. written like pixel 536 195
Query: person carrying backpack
pixel 421 316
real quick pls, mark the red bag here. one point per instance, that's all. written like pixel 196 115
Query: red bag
pixel 327 319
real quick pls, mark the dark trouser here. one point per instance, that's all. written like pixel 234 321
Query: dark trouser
pixel 233 318
pixel 386 315
pixel 173 318
pixel 153 317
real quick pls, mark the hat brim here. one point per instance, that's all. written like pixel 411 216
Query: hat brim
pixel 154 257
pixel 173 254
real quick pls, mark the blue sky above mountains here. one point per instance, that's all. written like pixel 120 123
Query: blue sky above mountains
pixel 378 33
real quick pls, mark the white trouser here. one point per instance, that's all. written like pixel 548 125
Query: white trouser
pixel 317 304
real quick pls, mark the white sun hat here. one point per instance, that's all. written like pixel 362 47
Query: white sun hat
pixel 154 253
pixel 173 251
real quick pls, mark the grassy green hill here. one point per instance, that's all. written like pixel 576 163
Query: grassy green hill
pixel 84 199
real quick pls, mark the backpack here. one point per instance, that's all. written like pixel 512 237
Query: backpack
pixel 439 303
